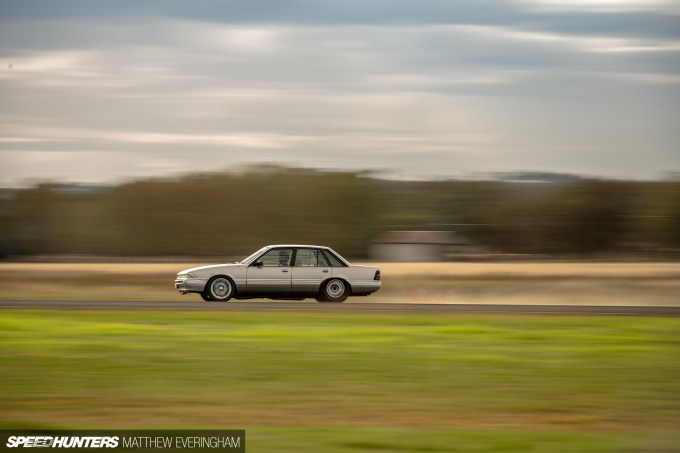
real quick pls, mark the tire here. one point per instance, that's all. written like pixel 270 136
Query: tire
pixel 205 296
pixel 220 289
pixel 334 290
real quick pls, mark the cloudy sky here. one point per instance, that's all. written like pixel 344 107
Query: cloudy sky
pixel 97 91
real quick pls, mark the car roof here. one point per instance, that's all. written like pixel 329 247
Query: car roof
pixel 297 245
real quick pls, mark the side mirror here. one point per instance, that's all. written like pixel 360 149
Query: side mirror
pixel 257 263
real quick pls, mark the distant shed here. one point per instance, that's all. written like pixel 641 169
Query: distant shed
pixel 416 246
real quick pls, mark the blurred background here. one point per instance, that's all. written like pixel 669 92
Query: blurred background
pixel 231 214
pixel 519 127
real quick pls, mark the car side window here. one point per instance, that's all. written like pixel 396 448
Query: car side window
pixel 276 258
pixel 309 258
pixel 335 262
pixel 322 259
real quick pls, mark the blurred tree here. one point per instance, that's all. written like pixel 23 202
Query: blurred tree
pixel 233 214
pixel 659 214
pixel 581 217
pixel 34 212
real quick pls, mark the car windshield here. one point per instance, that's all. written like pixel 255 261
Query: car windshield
pixel 252 257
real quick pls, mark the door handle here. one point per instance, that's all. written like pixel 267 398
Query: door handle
pixel 284 270
pixel 325 271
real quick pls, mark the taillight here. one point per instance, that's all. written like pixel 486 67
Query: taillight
pixel 377 275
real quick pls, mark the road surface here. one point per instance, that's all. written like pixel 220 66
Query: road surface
pixel 347 307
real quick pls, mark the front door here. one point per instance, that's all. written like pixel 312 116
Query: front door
pixel 273 276
pixel 309 270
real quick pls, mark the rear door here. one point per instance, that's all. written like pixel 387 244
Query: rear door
pixel 309 270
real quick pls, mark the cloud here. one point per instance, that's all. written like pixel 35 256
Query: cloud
pixel 244 140
pixel 31 165
pixel 427 88
pixel 603 5
pixel 579 43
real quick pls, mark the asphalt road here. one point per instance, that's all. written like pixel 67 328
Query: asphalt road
pixel 347 307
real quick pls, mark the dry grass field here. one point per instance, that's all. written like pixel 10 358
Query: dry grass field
pixel 551 269
pixel 444 269
pixel 495 283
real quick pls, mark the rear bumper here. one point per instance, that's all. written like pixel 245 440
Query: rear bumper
pixel 363 287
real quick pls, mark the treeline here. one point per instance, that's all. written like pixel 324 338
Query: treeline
pixel 234 214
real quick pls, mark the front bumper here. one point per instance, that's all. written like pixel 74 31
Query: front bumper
pixel 190 285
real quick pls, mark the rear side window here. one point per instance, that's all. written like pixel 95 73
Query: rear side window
pixel 334 260
pixel 310 258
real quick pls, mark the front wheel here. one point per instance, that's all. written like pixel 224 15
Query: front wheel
pixel 205 296
pixel 335 290
pixel 220 289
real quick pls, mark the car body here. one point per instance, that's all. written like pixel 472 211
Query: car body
pixel 284 271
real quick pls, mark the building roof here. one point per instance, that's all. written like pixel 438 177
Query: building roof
pixel 420 237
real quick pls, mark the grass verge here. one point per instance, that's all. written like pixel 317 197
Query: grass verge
pixel 345 383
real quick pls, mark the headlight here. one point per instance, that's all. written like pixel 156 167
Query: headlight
pixel 182 276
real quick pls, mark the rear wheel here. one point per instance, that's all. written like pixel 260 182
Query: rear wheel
pixel 220 289
pixel 335 290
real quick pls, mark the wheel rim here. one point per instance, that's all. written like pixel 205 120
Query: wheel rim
pixel 335 288
pixel 220 288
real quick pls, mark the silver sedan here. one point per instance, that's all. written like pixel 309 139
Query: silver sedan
pixel 292 272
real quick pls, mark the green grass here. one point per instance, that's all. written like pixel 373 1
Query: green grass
pixel 346 383
pixel 380 440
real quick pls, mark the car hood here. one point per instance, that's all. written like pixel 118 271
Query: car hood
pixel 207 268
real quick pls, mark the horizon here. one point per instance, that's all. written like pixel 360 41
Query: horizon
pixel 518 176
